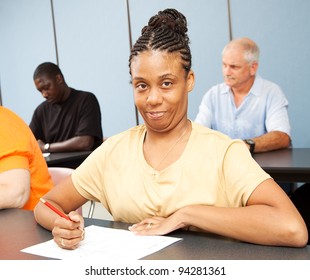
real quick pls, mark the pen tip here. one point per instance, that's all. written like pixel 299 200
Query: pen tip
pixel 42 200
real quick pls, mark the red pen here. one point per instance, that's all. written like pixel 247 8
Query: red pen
pixel 54 209
pixel 61 214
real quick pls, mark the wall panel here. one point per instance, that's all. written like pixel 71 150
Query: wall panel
pixel 26 40
pixel 93 47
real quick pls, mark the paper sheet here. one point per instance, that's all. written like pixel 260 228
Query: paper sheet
pixel 105 244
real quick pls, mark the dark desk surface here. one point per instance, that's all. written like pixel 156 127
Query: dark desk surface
pixel 19 230
pixel 71 160
pixel 286 165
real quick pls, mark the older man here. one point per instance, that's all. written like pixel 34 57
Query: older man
pixel 246 106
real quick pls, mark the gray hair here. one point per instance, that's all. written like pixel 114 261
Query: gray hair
pixel 250 49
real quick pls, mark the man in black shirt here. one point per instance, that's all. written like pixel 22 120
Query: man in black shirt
pixel 69 119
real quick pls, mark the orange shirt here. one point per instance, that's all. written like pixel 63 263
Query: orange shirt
pixel 19 149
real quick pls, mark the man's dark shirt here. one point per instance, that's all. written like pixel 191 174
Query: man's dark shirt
pixel 79 115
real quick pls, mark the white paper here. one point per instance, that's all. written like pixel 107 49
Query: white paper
pixel 105 244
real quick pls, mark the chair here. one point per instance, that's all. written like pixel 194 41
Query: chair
pixel 91 209
pixel 301 199
pixel 60 173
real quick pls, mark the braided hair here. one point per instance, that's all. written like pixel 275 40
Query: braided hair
pixel 165 31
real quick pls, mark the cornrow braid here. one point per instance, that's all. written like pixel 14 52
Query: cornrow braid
pixel 166 31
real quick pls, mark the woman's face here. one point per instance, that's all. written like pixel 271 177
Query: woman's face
pixel 160 89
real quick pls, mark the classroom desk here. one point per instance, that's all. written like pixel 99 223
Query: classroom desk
pixel 19 230
pixel 286 165
pixel 71 159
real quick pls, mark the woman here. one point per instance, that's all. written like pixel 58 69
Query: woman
pixel 171 173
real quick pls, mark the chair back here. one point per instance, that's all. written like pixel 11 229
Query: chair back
pixel 60 173
pixel 301 199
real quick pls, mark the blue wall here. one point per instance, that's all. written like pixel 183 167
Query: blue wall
pixel 93 49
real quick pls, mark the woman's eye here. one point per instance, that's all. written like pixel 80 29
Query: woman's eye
pixel 167 84
pixel 141 86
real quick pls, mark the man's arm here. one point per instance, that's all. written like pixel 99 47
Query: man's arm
pixel 204 115
pixel 35 125
pixel 273 140
pixel 14 188
pixel 277 124
pixel 77 143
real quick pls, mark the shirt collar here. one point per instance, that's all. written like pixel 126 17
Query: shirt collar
pixel 255 89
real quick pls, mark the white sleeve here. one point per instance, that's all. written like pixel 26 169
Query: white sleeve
pixel 204 116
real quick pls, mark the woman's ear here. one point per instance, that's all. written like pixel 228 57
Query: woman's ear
pixel 190 80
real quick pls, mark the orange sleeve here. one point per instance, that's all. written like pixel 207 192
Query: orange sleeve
pixel 13 162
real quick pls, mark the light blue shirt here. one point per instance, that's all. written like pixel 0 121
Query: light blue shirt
pixel 264 109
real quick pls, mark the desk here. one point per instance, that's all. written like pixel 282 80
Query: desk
pixel 286 165
pixel 71 159
pixel 19 230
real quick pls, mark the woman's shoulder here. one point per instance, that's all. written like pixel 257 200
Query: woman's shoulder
pixel 206 132
pixel 129 135
pixel 204 136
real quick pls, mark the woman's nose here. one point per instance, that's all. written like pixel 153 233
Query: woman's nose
pixel 154 97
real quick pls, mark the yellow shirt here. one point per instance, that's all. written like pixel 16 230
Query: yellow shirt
pixel 213 170
pixel 20 150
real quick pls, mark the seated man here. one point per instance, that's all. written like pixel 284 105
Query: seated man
pixel 246 106
pixel 69 119
pixel 24 176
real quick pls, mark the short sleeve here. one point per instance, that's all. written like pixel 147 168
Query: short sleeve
pixel 13 162
pixel 242 174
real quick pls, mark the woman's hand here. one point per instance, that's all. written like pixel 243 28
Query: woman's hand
pixel 157 225
pixel 68 234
